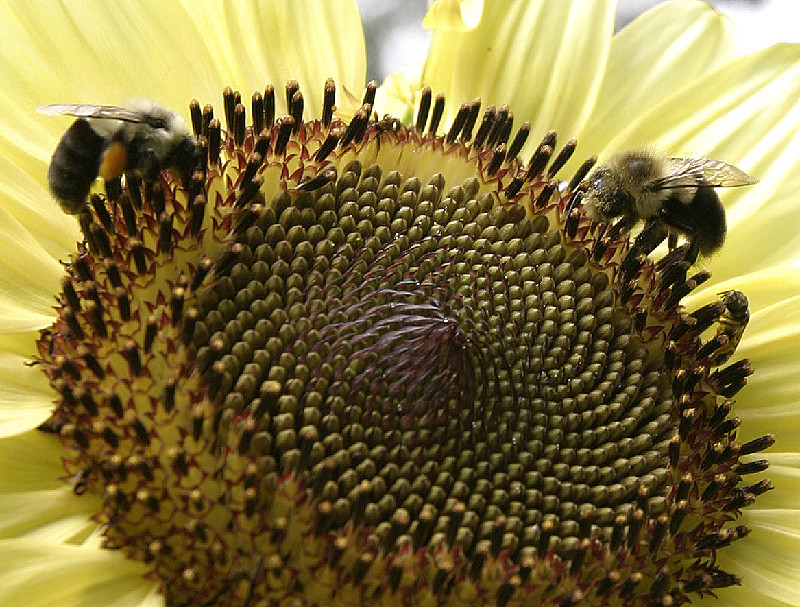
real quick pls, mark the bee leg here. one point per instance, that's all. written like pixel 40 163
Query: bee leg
pixel 648 239
pixel 186 159
pixel 113 188
pixel 148 166
pixel 599 248
pixel 616 229
pixel 679 216
pixel 85 221
pixel 673 240
pixel 652 235
pixel 693 251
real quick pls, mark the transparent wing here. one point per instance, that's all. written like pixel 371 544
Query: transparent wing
pixel 86 110
pixel 688 172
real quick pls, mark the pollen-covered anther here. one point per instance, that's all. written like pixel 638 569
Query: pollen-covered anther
pixel 345 362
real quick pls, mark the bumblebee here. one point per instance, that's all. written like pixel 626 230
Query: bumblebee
pixel 142 138
pixel 677 192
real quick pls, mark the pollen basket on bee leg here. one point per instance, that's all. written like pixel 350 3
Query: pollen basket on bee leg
pixel 114 161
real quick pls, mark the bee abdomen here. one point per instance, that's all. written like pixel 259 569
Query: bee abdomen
pixel 710 224
pixel 74 165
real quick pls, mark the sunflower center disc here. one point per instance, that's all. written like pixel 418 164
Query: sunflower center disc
pixel 348 364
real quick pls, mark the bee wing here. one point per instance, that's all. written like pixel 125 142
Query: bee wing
pixel 723 175
pixel 87 110
pixel 688 172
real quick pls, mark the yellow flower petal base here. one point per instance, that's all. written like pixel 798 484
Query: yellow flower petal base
pixel 371 364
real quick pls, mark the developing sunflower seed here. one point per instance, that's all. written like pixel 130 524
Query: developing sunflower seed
pixel 371 363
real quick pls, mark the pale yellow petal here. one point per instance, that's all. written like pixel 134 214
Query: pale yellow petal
pixel 25 197
pixel 660 52
pixel 83 51
pixel 33 572
pixel 19 343
pixel 397 94
pixel 255 43
pixel 453 15
pixel 55 515
pixel 30 461
pixel 746 113
pixel 767 558
pixel 25 396
pixel 544 59
pixel 784 472
pixel 740 596
pixel 35 500
pixel 26 287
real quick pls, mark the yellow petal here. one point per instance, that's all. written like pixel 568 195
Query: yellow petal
pixel 453 15
pixel 767 558
pixel 739 596
pixel 784 472
pixel 35 500
pixel 255 43
pixel 171 53
pixel 25 396
pixel 544 59
pixel 24 196
pixel 33 572
pixel 30 461
pixel 26 287
pixel 55 515
pixel 660 52
pixel 111 50
pixel 397 94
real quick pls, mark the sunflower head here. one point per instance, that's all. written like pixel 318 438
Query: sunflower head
pixel 368 362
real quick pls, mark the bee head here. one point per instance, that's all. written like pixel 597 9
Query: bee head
pixel 606 196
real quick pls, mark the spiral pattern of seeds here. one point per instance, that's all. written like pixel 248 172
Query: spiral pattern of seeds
pixel 366 364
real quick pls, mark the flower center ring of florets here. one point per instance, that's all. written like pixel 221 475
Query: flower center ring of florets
pixel 347 363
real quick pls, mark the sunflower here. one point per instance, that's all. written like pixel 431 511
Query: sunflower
pixel 344 361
